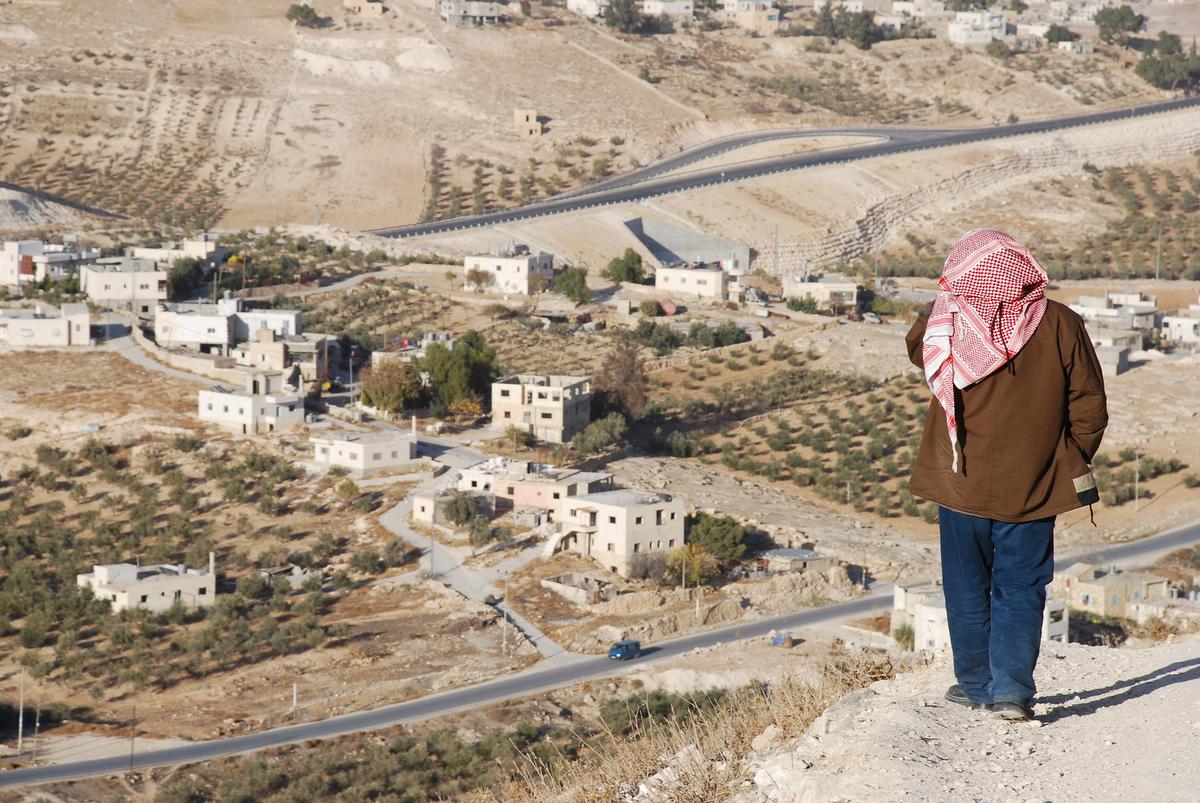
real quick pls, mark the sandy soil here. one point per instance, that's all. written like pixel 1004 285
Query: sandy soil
pixel 899 740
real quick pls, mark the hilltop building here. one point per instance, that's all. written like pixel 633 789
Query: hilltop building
pixel 1182 328
pixel 620 528
pixel 512 271
pixel 923 609
pixel 364 453
pixel 551 408
pixel 471 13
pixel 979 28
pixel 204 247
pixel 69 325
pixel 829 291
pixel 264 405
pixel 592 9
pixel 699 280
pixel 1106 591
pixel 676 10
pixel 127 283
pixel 154 588
pixel 24 262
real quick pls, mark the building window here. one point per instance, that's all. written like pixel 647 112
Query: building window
pixel 547 415
pixel 638 520
pixel 504 393
pixel 672 515
pixel 507 414
pixel 612 519
pixel 557 495
pixel 658 519
pixel 394 454
pixel 671 543
pixel 210 405
pixel 204 592
pixel 541 394
pixel 377 456
pixel 143 597
pixel 178 594
pixel 610 547
pixel 637 547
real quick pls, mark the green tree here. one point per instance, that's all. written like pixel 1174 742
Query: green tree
pixel 600 434
pixel 391 386
pixel 723 537
pixel 692 563
pixel 805 304
pixel 622 377
pixel 572 283
pixel 466 370
pixel 460 508
pixel 1060 33
pixel 997 50
pixel 626 268
pixel 624 15
pixel 1118 24
pixel 304 15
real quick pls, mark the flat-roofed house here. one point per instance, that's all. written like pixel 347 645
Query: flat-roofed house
pixel 707 282
pixel 618 528
pixel 364 453
pixel 263 406
pixel 514 270
pixel 25 262
pixel 1105 591
pixel 829 290
pixel 68 325
pixel 154 588
pixel 137 285
pixel 551 408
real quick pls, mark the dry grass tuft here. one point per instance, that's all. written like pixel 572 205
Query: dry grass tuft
pixel 704 757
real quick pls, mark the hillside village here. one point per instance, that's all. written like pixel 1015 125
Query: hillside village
pixel 259 470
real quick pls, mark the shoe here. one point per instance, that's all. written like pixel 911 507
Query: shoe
pixel 955 694
pixel 1014 711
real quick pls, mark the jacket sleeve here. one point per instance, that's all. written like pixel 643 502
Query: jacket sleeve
pixel 1087 406
pixel 914 341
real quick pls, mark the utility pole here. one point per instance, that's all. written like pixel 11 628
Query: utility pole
pixel 132 732
pixel 1158 253
pixel 504 612
pixel 1137 475
pixel 21 715
pixel 37 722
pixel 294 699
pixel 775 269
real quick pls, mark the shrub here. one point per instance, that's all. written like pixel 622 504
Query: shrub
pixel 600 435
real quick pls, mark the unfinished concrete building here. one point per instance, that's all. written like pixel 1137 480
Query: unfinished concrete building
pixel 551 408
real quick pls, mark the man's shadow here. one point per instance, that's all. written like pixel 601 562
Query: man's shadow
pixel 1120 692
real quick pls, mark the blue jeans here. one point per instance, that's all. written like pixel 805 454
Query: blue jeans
pixel 995 575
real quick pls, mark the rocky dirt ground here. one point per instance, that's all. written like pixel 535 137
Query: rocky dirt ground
pixel 899 740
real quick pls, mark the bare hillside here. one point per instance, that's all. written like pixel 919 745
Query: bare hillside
pixel 207 112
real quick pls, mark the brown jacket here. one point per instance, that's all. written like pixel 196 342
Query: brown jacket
pixel 1027 433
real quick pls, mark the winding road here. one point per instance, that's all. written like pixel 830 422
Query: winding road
pixel 650 181
pixel 560 671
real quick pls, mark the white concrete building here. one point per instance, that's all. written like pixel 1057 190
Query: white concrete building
pixel 706 282
pixel 829 290
pixel 214 328
pixel 512 271
pixel 677 10
pixel 25 262
pixel 137 285
pixel 154 588
pixel 849 6
pixel 69 325
pixel 615 528
pixel 923 608
pixel 920 9
pixel 264 406
pixel 551 408
pixel 978 28
pixel 364 453
pixel 592 9
pixel 204 247
pixel 471 13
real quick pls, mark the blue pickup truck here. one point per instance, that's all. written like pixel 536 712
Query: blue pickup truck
pixel 625 650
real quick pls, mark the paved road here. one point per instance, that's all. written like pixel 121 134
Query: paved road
pixel 912 140
pixel 562 671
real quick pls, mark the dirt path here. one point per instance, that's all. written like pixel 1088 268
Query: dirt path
pixel 898 739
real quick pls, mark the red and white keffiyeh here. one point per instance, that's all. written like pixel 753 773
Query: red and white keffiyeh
pixel 991 298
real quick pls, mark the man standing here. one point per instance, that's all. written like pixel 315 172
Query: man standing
pixel 1017 415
